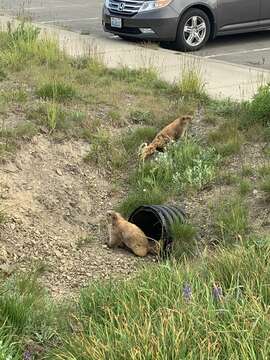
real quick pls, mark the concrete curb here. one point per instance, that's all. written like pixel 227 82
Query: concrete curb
pixel 222 80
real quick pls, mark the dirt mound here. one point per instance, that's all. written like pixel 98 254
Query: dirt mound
pixel 55 206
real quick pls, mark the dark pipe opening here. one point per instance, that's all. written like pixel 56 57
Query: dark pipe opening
pixel 156 220
pixel 149 222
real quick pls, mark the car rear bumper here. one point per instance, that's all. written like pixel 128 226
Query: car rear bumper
pixel 162 22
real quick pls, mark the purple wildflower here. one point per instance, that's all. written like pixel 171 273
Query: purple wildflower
pixel 187 292
pixel 27 355
pixel 217 292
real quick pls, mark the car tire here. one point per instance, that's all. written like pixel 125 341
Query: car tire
pixel 193 30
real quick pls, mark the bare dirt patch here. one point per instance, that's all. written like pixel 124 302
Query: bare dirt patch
pixel 55 206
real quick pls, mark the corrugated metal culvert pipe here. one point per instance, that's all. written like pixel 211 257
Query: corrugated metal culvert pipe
pixel 156 222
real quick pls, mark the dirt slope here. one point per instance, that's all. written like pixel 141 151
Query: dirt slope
pixel 55 206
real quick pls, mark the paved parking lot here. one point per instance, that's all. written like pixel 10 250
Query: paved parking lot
pixel 84 16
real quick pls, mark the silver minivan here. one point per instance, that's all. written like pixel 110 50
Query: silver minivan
pixel 189 24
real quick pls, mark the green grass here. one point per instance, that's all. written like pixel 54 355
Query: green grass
pixel 26 313
pixel 140 197
pixel 21 47
pixel 105 151
pixel 230 219
pixel 133 139
pixel 191 84
pixel 265 186
pixel 185 165
pixel 185 240
pixel 226 139
pixel 245 187
pixel 259 107
pixel 172 312
pixel 138 116
pixel 56 91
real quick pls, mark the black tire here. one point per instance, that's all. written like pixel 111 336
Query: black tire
pixel 181 42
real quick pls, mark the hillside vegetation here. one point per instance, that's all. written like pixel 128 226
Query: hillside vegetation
pixel 70 134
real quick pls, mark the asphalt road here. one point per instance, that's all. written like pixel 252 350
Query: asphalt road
pixel 84 16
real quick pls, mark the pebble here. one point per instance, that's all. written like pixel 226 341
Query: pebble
pixel 59 172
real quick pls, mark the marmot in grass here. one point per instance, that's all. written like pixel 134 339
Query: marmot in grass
pixel 171 132
pixel 122 232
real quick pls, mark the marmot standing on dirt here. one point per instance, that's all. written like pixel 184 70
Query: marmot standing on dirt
pixel 123 232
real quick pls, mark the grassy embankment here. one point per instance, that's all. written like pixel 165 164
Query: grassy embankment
pixel 215 305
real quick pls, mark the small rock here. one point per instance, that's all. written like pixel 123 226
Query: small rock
pixel 12 226
pixel 7 269
pixel 4 196
pixel 58 253
pixel 59 172
pixel 255 192
pixel 11 168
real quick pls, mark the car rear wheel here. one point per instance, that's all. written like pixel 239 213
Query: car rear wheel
pixel 193 30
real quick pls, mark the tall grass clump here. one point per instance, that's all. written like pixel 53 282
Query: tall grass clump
pixel 259 107
pixel 191 83
pixel 8 345
pixel 56 91
pixel 231 217
pixel 185 240
pixel 22 46
pixel 27 315
pixel 218 309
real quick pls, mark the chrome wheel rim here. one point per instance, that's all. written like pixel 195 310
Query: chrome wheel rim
pixel 195 31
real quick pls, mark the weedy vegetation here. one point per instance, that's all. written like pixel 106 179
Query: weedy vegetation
pixel 210 300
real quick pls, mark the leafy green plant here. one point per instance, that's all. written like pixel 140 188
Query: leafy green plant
pixel 184 165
